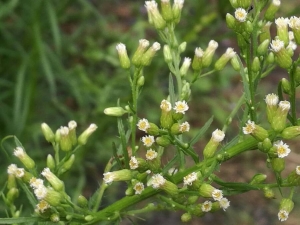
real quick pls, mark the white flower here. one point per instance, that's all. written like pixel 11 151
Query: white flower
pixel 282 22
pixel 144 43
pixel 284 105
pixel 181 107
pixel 184 127
pixel 72 125
pixel 276 2
pixel 143 125
pixel 277 45
pixel 11 169
pixel 165 105
pixel 20 172
pixel 217 195
pixel 249 128
pixel 157 181
pixel 148 140
pixel 282 149
pixel 240 14
pixel 42 206
pixel 224 203
pixel 212 45
pixel 230 53
pixel 108 177
pixel 298 170
pixel 150 155
pixel 199 52
pixel 19 152
pixel 206 206
pixel 121 48
pixel 133 163
pixel 189 179
pixel 138 187
pixel 271 99
pixel 155 46
pixel 64 131
pixel 40 192
pixel 294 23
pixel 292 45
pixel 36 182
pixel 178 3
pixel 218 135
pixel 283 215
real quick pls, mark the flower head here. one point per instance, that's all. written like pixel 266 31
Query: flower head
pixel 272 99
pixel 218 135
pixel 108 177
pixel 181 107
pixel 283 215
pixel 199 52
pixel 277 45
pixel 20 172
pixel 40 192
pixel 11 169
pixel 224 203
pixel 184 127
pixel 217 195
pixel 36 182
pixel 298 170
pixel 42 206
pixel 206 206
pixel 148 140
pixel 282 22
pixel 240 14
pixel 165 105
pixel 138 187
pixel 157 181
pixel 133 163
pixel 151 154
pixel 143 125
pixel 190 178
pixel 294 23
pixel 282 149
pixel 284 105
pixel 249 128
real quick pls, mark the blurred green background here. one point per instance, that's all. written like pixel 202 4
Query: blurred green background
pixel 58 63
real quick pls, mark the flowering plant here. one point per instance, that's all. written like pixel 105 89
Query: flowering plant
pixel 195 189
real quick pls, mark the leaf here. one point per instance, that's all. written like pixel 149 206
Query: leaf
pixel 123 142
pixel 171 90
pixel 20 220
pixel 201 131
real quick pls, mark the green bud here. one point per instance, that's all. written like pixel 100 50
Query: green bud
pixel 271 10
pixel 223 60
pixel 185 66
pixel 186 217
pixel 166 10
pixel 175 129
pixel 88 218
pixel 167 54
pixel 82 201
pixel 258 178
pixel 55 182
pixel 291 132
pixel 282 29
pixel 249 27
pixel 115 111
pixel 182 47
pixel 283 58
pixel 72 132
pixel 153 129
pixel 206 190
pixel 67 165
pixel 278 122
pixel 57 136
pixel 263 47
pixel 266 144
pixel 185 92
pixel 141 81
pixel 65 142
pixel 256 65
pixel 209 53
pixel 48 133
pixel 53 197
pixel 123 57
pixel 176 9
pixel 166 119
pixel 235 63
pixel 119 175
pixel 268 193
pixel 285 84
pixel 149 54
pixel 230 21
pixel 286 204
pixel 278 164
pixel 86 134
pixel 55 218
pixel 234 3
pixel 241 42
pixel 271 58
pixel 50 162
pixel 177 116
pixel 28 162
pixel 294 177
pixel 12 194
pixel 197 60
pixel 136 58
pixel 244 3
pixel 129 191
pixel 192 199
pixel 297 76
pixel 265 33
pixel 170 188
pixel 11 181
pixel 163 141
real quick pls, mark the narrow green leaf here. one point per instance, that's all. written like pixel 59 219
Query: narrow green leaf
pixel 172 90
pixel 123 142
pixel 20 220
pixel 201 131
pixel 115 153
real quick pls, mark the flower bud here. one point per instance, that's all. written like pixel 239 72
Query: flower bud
pixel 211 147
pixel 48 133
pixel 72 132
pixel 120 175
pixel 182 47
pixel 86 134
pixel 163 141
pixel 231 21
pixel 166 119
pixel 271 58
pixel 265 32
pixel 24 158
pixel 167 54
pixel 286 206
pixel 235 63
pixel 297 76
pixel 282 29
pixel 67 165
pixel 294 24
pixel 208 191
pixel 278 122
pixel 53 197
pixel 234 3
pixel 263 47
pixel 54 218
pixel 154 15
pixel 55 182
pixel 266 145
pixel 136 58
pixel 244 3
pixel 141 81
pixel 123 57
pixel 166 10
pixel 138 164
pixel 11 181
pixel 177 8
pixel 256 65
pixel 222 61
pixel 285 84
pixel 294 177
pixel 197 60
pixel 271 10
pixel 185 94
pixel 268 193
pixel 186 217
pixel 88 218
pixel 153 129
pixel 185 66
pixel 258 178
pixel 149 54
pixel 11 195
pixel 65 142
pixel 115 111
pixel 278 164
pixel 271 101
pixel 283 58
pixel 209 53
pixel 290 132
pixel 50 162
pixel 82 201
pixel 255 130
pixel 159 182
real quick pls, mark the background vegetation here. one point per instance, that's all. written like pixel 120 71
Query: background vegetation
pixel 58 63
